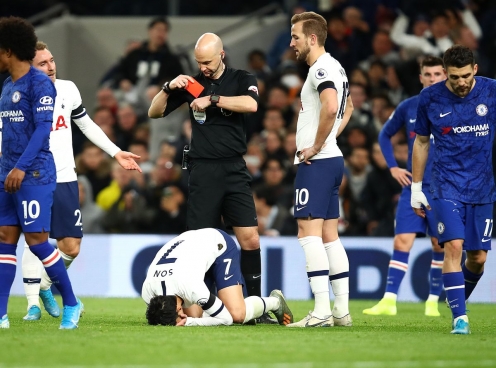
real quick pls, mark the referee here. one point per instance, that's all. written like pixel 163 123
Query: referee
pixel 219 182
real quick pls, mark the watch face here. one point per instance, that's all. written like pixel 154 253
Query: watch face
pixel 214 98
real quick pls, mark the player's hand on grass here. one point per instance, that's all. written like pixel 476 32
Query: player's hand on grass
pixel 13 180
pixel 126 160
pixel 402 176
pixel 182 321
pixel 418 200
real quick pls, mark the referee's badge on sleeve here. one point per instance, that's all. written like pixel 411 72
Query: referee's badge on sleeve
pixel 200 116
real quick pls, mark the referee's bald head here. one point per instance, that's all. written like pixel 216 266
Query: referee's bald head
pixel 209 43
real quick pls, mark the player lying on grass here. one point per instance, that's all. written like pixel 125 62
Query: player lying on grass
pixel 176 291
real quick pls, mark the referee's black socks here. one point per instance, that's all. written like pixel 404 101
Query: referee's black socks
pixel 251 268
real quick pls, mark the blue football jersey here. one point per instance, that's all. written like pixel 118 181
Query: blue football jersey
pixel 26 110
pixel 405 115
pixel 463 129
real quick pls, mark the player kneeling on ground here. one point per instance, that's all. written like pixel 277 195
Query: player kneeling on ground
pixel 176 292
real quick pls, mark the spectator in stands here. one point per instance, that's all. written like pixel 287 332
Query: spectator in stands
pixel 380 196
pixel 105 98
pixel 254 158
pixel 381 105
pixel 355 175
pixel 274 145
pixel 92 163
pixel 281 42
pixel 153 61
pixel 129 213
pixel 395 90
pixel 382 50
pixel 377 77
pixel 127 122
pixel 90 212
pixel 273 174
pixel 109 76
pixel 112 193
pixel 257 65
pixel 140 148
pixel 436 40
pixel 272 217
pixel 290 150
pixel 338 42
pixel 170 218
pixel 278 97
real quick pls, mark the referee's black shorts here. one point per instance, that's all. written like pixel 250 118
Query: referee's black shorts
pixel 220 188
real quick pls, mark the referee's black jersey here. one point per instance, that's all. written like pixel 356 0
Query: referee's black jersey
pixel 217 133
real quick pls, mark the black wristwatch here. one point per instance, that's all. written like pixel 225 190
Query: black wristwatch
pixel 214 100
pixel 166 88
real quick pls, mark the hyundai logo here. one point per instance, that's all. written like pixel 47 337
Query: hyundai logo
pixel 46 100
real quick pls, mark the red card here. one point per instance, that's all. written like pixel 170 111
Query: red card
pixel 194 88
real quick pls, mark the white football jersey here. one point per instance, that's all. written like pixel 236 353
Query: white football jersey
pixel 68 100
pixel 325 72
pixel 179 267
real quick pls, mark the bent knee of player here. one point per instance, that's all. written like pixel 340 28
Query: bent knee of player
pixel 69 246
pixel 476 259
pixel 404 242
pixel 238 314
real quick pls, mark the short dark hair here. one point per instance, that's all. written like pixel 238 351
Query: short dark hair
pixel 267 193
pixel 162 310
pixel 431 61
pixel 156 20
pixel 18 36
pixel 458 56
pixel 257 52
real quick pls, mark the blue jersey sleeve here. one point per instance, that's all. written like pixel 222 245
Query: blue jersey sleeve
pixel 390 128
pixel 43 100
pixel 422 125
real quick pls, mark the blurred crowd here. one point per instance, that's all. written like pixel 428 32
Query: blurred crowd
pixel 378 42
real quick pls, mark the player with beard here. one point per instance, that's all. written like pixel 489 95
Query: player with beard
pixel 219 182
pixel 460 115
pixel 326 108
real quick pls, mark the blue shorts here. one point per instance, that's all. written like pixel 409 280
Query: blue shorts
pixel 226 270
pixel 408 222
pixel 471 222
pixel 316 188
pixel 30 207
pixel 66 214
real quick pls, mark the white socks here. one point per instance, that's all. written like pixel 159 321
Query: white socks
pixel 31 271
pixel 317 266
pixel 339 269
pixel 255 307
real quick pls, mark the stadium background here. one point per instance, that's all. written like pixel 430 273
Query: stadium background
pixel 89 38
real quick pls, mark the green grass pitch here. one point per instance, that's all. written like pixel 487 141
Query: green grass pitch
pixel 113 332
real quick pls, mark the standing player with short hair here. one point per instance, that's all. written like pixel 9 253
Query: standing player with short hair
pixel 176 280
pixel 325 110
pixel 66 220
pixel 408 225
pixel 460 115
pixel 27 168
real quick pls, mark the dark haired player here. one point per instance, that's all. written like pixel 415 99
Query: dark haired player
pixel 176 292
pixel 460 114
pixel 27 168
pixel 407 224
